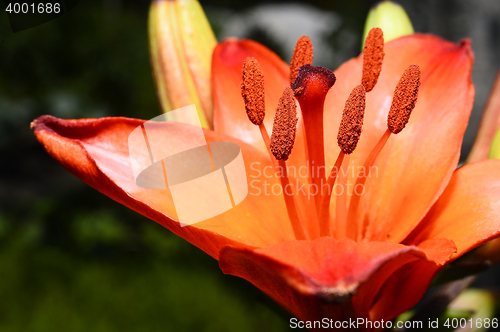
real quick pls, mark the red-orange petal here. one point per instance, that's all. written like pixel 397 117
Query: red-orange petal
pixel 96 151
pixel 309 278
pixel 468 211
pixel 415 165
pixel 402 288
pixel 230 117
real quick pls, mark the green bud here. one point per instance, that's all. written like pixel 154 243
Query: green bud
pixel 480 303
pixel 495 147
pixel 391 18
pixel 181 43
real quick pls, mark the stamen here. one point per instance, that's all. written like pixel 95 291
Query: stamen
pixel 341 204
pixel 373 55
pixel 403 103
pixel 352 120
pixel 291 206
pixel 282 139
pixel 252 91
pixel 302 55
pixel 285 126
pixel 347 138
pixel 352 225
pixel 310 87
pixel 324 219
pixel 404 100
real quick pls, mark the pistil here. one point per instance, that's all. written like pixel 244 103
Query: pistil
pixel 310 87
pixel 403 103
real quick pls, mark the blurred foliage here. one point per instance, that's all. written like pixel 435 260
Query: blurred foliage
pixel 117 288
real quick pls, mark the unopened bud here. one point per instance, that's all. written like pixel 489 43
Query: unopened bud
pixel 495 147
pixel 391 18
pixel 181 43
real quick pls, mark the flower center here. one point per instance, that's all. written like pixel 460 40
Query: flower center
pixel 309 87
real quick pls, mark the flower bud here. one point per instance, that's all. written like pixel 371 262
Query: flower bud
pixel 391 18
pixel 476 304
pixel 495 147
pixel 181 43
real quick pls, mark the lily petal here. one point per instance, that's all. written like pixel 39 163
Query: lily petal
pixel 96 151
pixel 297 273
pixel 415 165
pixel 230 117
pixel 468 212
pixel 406 285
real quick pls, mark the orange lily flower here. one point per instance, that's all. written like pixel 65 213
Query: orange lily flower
pixel 418 214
